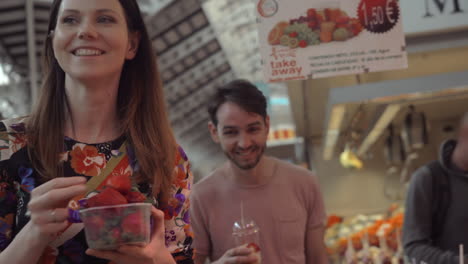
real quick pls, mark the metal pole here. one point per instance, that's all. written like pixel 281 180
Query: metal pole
pixel 32 57
pixel 307 140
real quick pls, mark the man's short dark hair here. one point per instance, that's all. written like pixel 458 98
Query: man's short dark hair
pixel 241 92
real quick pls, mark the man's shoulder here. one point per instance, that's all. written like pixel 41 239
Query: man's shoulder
pixel 292 171
pixel 13 125
pixel 421 175
pixel 210 183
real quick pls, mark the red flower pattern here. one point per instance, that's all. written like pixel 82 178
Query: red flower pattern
pixel 86 160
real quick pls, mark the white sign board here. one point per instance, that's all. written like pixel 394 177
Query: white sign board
pixel 303 39
pixel 422 16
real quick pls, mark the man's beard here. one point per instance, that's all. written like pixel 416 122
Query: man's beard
pixel 260 149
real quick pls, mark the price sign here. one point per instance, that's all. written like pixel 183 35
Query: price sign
pixel 378 16
pixel 305 39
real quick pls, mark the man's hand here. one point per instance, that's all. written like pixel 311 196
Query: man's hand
pixel 238 255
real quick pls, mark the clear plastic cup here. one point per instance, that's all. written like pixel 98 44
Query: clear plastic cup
pixel 108 227
pixel 247 234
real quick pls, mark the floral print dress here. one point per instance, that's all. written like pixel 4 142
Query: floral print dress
pixel 18 179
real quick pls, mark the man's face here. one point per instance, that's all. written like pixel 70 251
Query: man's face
pixel 242 135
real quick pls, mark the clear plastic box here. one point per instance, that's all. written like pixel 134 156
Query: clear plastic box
pixel 108 227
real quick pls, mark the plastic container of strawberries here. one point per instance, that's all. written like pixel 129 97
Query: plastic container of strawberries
pixel 108 227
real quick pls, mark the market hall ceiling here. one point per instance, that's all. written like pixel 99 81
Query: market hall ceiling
pixel 191 60
pixel 13 31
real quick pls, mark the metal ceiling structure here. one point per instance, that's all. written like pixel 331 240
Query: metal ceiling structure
pixel 14 31
pixel 192 64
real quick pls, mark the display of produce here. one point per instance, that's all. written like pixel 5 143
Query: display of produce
pixel 366 239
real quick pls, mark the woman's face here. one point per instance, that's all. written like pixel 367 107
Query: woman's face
pixel 91 39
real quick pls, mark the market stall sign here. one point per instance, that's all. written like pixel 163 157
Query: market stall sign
pixel 425 16
pixel 304 39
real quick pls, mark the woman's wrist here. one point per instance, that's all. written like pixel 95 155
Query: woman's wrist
pixel 165 258
pixel 26 247
pixel 34 238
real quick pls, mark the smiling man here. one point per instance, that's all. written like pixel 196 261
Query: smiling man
pixel 283 200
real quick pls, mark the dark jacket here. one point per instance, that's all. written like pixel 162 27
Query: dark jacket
pixel 417 229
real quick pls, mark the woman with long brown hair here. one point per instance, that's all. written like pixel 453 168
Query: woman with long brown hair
pixel 101 91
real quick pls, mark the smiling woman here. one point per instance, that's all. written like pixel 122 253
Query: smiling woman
pixel 93 40
pixel 101 104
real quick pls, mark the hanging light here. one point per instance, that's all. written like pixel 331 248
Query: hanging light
pixel 349 159
pixel 415 133
pixel 394 149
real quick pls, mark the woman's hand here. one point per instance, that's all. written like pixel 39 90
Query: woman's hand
pixel 154 252
pixel 48 206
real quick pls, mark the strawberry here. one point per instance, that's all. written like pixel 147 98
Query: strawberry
pixel 293 34
pixel 335 13
pixel 133 223
pixel 312 24
pixel 253 246
pixel 94 223
pixel 135 197
pixel 328 14
pixel 120 182
pixel 109 196
pixel 115 234
pixel 302 43
pixel 311 12
pixel 320 17
pixel 342 20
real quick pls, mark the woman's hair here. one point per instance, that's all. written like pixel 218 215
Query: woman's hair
pixel 140 105
pixel 241 92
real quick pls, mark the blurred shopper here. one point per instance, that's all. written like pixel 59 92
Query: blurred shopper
pixel 101 117
pixel 436 220
pixel 284 200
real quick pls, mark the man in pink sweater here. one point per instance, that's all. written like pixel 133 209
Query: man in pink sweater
pixel 284 200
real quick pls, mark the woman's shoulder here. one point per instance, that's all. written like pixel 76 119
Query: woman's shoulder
pixel 183 177
pixel 12 136
pixel 180 155
pixel 13 125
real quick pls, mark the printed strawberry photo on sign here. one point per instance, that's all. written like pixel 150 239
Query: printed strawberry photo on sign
pixel 318 26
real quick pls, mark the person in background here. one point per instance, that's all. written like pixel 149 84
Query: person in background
pixel 284 200
pixel 435 222
pixel 101 90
